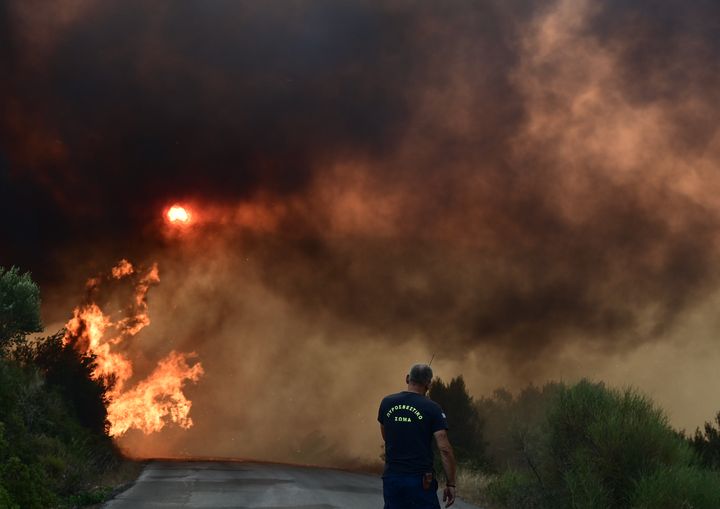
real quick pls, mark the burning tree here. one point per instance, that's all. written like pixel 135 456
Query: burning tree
pixel 154 401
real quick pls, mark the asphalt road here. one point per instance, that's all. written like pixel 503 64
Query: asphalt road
pixel 240 485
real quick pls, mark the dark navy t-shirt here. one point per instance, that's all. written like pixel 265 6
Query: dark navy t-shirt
pixel 410 421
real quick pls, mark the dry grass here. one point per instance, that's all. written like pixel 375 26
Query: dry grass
pixel 472 485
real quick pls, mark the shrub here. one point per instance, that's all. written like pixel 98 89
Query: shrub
pixel 26 484
pixel 53 441
pixel 687 487
pixel 70 373
pixel 5 501
pixel 602 442
pixel 92 496
pixel 515 490
pixel 707 443
pixel 45 453
pixel 3 442
pixel 513 425
pixel 600 448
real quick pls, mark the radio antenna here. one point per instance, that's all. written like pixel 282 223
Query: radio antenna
pixel 431 359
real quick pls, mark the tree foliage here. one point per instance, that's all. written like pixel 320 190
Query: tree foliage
pixel 466 427
pixel 47 452
pixel 19 306
pixel 513 424
pixel 601 448
pixel 53 439
pixel 707 443
pixel 70 374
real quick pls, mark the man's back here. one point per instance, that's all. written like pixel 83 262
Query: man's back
pixel 409 421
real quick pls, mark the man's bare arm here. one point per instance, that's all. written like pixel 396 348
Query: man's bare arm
pixel 448 461
pixel 446 455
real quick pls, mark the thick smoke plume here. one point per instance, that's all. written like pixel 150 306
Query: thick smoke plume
pixel 528 189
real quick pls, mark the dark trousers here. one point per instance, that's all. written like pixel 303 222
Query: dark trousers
pixel 406 491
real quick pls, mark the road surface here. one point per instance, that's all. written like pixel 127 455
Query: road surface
pixel 240 485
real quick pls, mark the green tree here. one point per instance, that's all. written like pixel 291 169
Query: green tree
pixel 707 443
pixel 466 427
pixel 19 306
pixel 70 373
pixel 53 440
pixel 513 425
pixel 607 449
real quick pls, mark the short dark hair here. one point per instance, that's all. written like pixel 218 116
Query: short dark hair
pixel 421 374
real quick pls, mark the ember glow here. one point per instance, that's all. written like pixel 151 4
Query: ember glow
pixel 158 399
pixel 178 215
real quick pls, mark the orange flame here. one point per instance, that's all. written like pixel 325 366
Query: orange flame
pixel 158 399
pixel 122 269
pixel 87 328
pixel 139 319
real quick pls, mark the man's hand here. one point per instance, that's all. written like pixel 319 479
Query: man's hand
pixel 449 496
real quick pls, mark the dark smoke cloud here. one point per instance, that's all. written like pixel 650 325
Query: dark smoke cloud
pixel 113 109
pixel 513 175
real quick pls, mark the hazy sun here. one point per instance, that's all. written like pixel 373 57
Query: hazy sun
pixel 178 214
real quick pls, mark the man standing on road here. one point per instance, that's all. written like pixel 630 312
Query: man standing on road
pixel 409 421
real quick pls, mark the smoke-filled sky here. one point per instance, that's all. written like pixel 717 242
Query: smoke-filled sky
pixel 527 189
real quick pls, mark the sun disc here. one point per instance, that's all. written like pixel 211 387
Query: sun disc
pixel 178 214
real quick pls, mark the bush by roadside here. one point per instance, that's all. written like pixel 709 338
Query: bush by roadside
pixel 47 457
pixel 54 447
pixel 600 448
pixel 513 424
